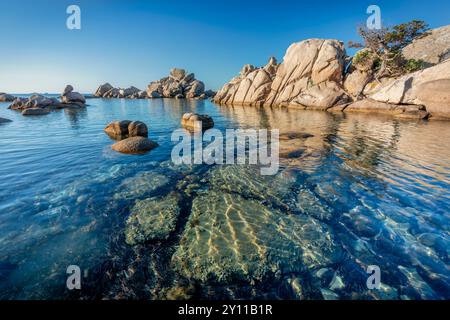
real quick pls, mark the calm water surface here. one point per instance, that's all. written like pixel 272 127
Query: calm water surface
pixel 359 190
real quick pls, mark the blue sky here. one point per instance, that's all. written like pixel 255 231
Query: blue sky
pixel 134 42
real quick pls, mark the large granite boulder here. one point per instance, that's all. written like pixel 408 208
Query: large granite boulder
pixel 134 145
pixel 432 48
pixel 104 88
pixel 429 88
pixel 71 98
pixel 251 87
pixel 307 64
pixel 126 128
pixel 308 67
pixel 197 122
pixel 35 101
pixel 4 97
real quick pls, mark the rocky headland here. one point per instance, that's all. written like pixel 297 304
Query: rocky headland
pixel 179 84
pixel 316 74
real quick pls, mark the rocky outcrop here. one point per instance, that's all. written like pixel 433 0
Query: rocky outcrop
pixel 179 84
pixel 126 129
pixel 35 101
pixel 432 48
pixel 103 89
pixel 4 97
pixel 251 87
pixel 108 91
pixel 400 111
pixel 134 145
pixel 197 122
pixel 429 88
pixel 69 98
pixel 310 76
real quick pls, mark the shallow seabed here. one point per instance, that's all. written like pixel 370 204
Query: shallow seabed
pixel 353 190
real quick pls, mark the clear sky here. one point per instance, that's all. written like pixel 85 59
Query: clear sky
pixel 134 42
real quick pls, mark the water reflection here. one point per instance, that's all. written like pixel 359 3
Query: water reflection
pixel 353 190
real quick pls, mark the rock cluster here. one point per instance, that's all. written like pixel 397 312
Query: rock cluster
pixel 108 91
pixel 314 75
pixel 179 84
pixel 132 136
pixel 197 122
pixel 38 104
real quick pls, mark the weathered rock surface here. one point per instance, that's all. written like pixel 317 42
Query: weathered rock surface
pixel 179 84
pixel 152 219
pixel 231 238
pixel 134 145
pixel 308 67
pixel 108 91
pixel 400 111
pixel 126 128
pixel 196 122
pixel 251 87
pixel 433 48
pixel 104 88
pixel 71 98
pixel 429 88
pixel 4 97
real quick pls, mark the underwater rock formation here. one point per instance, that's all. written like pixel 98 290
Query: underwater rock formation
pixel 152 219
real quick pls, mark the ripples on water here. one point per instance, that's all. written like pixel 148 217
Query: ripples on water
pixel 358 190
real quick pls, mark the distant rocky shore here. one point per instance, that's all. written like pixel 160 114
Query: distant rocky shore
pixel 38 104
pixel 179 84
pixel 316 74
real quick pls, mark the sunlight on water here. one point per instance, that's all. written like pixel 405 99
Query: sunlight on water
pixel 352 191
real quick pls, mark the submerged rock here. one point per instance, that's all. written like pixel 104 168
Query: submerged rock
pixel 35 112
pixel 134 145
pixel 196 122
pixel 3 120
pixel 230 238
pixel 152 219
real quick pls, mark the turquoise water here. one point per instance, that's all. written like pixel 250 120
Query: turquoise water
pixel 360 190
